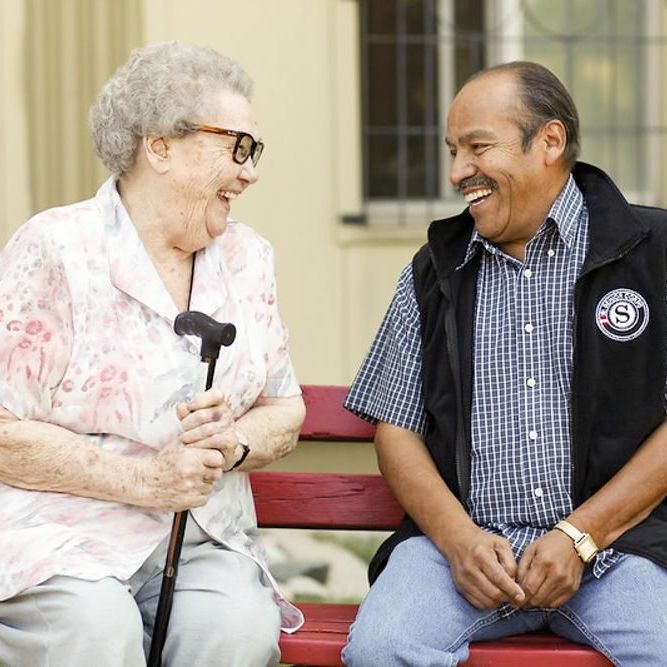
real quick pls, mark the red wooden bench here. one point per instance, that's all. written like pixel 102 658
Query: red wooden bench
pixel 364 502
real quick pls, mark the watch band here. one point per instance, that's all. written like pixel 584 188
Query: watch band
pixel 584 544
pixel 243 441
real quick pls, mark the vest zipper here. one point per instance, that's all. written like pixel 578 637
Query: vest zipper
pixel 453 351
pixel 575 492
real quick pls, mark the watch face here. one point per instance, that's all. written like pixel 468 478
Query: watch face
pixel 586 548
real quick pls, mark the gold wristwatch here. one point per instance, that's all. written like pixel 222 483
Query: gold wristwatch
pixel 583 543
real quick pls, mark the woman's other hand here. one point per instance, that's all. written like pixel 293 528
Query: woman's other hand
pixel 182 475
pixel 179 477
pixel 208 423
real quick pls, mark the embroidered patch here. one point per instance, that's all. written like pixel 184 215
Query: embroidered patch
pixel 622 314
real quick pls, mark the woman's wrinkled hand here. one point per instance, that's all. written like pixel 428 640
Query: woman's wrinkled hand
pixel 179 477
pixel 208 423
pixel 183 474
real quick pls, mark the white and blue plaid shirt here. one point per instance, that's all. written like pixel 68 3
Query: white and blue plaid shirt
pixel 520 420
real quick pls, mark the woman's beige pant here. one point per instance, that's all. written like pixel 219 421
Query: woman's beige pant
pixel 223 614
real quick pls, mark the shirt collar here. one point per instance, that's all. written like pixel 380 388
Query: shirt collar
pixel 133 272
pixel 131 269
pixel 565 213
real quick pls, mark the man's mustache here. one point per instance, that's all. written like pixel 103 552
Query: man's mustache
pixel 475 182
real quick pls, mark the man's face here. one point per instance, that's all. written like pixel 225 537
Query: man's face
pixel 504 186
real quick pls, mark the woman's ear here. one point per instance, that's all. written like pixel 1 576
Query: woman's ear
pixel 157 152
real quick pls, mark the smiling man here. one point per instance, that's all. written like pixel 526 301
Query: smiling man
pixel 518 382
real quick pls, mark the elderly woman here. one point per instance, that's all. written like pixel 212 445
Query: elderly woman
pixel 105 429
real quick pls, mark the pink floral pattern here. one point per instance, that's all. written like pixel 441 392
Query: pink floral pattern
pixel 87 343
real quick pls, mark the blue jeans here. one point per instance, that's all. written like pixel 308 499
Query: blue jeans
pixel 413 614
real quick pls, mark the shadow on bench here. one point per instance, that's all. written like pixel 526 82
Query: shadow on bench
pixel 364 502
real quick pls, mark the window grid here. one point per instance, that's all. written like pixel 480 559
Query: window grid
pixel 608 53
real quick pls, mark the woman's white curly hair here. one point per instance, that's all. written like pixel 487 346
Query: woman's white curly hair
pixel 161 90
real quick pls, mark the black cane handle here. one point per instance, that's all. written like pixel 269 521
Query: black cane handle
pixel 212 334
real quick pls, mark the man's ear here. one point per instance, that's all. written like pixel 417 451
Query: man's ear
pixel 554 138
pixel 157 151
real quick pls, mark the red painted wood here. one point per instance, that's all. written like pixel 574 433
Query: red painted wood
pixel 318 500
pixel 323 500
pixel 542 652
pixel 327 419
pixel 323 636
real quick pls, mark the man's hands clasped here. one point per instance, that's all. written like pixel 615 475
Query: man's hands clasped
pixel 486 573
pixel 550 571
pixel 484 569
pixel 182 475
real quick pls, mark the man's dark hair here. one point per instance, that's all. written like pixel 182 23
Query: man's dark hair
pixel 544 98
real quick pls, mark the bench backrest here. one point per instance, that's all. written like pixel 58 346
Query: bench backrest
pixel 326 500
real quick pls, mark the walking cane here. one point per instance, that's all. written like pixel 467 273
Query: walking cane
pixel 213 334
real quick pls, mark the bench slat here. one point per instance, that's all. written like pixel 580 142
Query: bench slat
pixel 321 639
pixel 324 501
pixel 327 419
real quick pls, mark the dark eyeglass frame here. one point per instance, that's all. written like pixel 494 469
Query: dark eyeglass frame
pixel 256 147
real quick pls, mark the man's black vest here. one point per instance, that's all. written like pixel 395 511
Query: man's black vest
pixel 618 384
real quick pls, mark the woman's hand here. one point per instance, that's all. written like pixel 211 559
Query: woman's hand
pixel 182 475
pixel 208 423
pixel 179 477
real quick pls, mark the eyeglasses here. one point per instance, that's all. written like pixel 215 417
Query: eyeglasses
pixel 245 146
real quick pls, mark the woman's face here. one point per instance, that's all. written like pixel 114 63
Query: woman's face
pixel 204 179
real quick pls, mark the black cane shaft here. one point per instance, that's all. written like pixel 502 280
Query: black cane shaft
pixel 167 589
pixel 171 567
pixel 210 374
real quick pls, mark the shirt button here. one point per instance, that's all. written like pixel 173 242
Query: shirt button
pixel 531 382
pixel 528 273
pixel 550 252
pixel 533 435
pixel 528 328
pixel 538 492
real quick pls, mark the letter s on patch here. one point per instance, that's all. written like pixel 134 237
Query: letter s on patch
pixel 622 314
